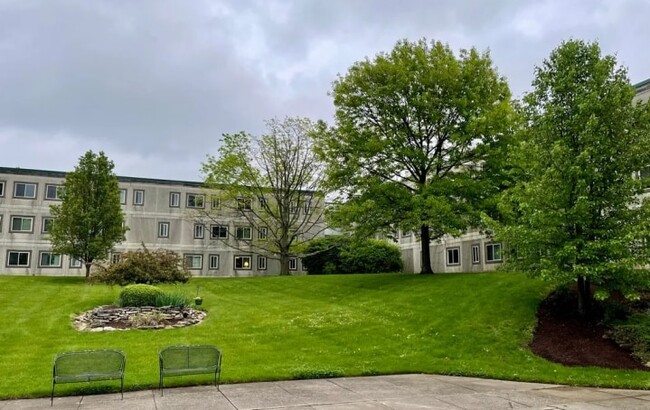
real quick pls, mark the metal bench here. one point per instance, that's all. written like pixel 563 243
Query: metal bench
pixel 187 360
pixel 88 366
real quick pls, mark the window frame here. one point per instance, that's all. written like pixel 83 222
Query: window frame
pixel 262 262
pixel 293 264
pixel 116 257
pixel 212 236
pixel 194 231
pixel 476 254
pixel 57 189
pixel 450 251
pixel 44 221
pixel 3 188
pixel 135 197
pixel 211 258
pixel 40 259
pixel 73 265
pixel 242 229
pixel 242 258
pixel 173 195
pixel 263 233
pixel 29 258
pixel 493 245
pixel 186 257
pixel 244 204
pixel 16 183
pixel 195 196
pixel 215 203
pixel 126 193
pixel 11 224
pixel 1 222
pixel 162 234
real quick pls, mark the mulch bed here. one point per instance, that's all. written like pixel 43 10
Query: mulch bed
pixel 562 337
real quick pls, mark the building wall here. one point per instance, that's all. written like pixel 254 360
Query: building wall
pixel 142 220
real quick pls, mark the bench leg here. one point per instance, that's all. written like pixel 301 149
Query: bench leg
pixel 122 386
pixel 160 385
pixel 52 395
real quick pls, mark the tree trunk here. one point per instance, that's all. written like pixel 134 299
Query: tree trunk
pixel 425 241
pixel 88 265
pixel 284 263
pixel 584 296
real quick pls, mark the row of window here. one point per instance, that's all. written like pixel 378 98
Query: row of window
pixel 492 254
pixel 25 224
pixel 28 190
pixel 22 259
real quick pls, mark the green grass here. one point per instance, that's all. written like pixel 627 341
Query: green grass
pixel 296 327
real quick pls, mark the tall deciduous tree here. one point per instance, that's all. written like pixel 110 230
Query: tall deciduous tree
pixel 271 184
pixel 89 221
pixel 575 215
pixel 414 129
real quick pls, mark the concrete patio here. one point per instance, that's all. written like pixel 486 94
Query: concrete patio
pixel 415 391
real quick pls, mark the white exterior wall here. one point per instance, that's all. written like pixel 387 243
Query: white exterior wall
pixel 142 221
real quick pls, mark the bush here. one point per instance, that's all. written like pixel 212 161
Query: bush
pixel 175 299
pixel 634 334
pixel 340 254
pixel 139 295
pixel 144 266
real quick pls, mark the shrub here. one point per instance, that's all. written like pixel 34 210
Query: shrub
pixel 339 254
pixel 634 334
pixel 144 266
pixel 176 299
pixel 139 295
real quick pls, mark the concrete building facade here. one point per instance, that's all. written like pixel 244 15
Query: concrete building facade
pixel 159 213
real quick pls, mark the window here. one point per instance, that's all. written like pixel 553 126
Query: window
pixel 138 197
pixel 174 199
pixel 163 229
pixel 476 254
pixel 262 202
pixel 244 203
pixel 262 233
pixel 22 223
pixel 2 188
pixel 0 223
pixel 406 234
pixel 115 258
pixel 24 190
pixel 453 256
pixel 307 207
pixel 214 262
pixel 195 200
pixel 218 232
pixel 293 264
pixel 49 260
pixel 46 225
pixel 242 262
pixel 198 231
pixel 53 192
pixel 493 252
pixel 75 263
pixel 123 196
pixel 261 262
pixel 216 203
pixel 244 233
pixel 194 262
pixel 294 207
pixel 18 259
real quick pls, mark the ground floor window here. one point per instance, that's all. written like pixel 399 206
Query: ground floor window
pixel 18 258
pixel 476 254
pixel 116 257
pixel 214 262
pixel 194 262
pixel 493 252
pixel 261 262
pixel 243 262
pixel 453 256
pixel 75 263
pixel 50 260
pixel 293 264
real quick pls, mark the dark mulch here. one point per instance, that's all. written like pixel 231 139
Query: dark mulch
pixel 563 337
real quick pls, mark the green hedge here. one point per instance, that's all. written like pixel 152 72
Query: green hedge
pixel 144 266
pixel 140 295
pixel 340 254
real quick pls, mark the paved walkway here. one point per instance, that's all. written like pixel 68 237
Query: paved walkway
pixel 414 391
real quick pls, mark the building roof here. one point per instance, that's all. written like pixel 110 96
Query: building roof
pixel 61 174
pixel 642 84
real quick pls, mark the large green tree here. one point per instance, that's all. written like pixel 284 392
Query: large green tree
pixel 575 214
pixel 89 221
pixel 270 183
pixel 414 133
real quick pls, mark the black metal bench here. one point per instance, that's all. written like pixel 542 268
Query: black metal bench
pixel 187 360
pixel 88 366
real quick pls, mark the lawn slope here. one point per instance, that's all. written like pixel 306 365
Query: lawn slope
pixel 299 327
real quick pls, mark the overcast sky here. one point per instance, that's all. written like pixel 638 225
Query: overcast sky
pixel 155 83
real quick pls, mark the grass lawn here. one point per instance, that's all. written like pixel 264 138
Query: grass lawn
pixel 299 327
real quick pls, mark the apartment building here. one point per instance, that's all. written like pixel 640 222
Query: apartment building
pixel 159 213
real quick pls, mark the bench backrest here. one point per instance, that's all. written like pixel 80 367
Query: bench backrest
pixel 89 362
pixel 190 357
